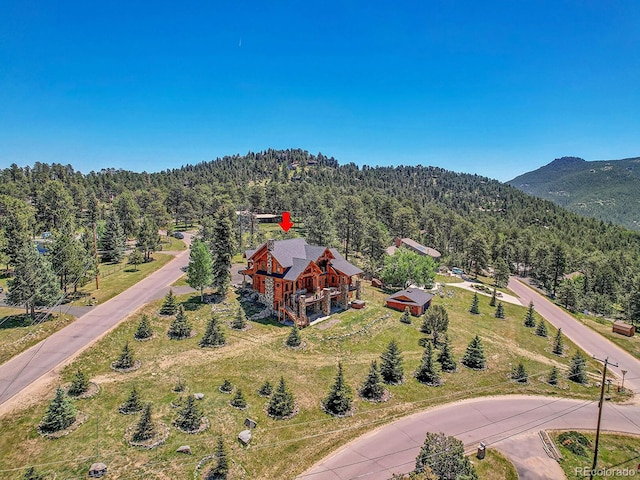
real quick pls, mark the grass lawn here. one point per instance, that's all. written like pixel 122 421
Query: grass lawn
pixel 171 244
pixel 494 466
pixel 604 328
pixel 253 356
pixel 616 451
pixel 117 278
pixel 181 282
pixel 18 332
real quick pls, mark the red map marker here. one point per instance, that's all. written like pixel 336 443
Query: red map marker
pixel 286 222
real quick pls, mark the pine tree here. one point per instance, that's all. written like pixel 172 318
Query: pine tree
pixel 553 376
pixel 282 403
pixel 294 339
pixel 373 388
pixel 132 404
pixel 180 386
pixel 500 310
pixel 79 384
pixel 136 258
pixel 391 364
pixel 265 389
pixel 221 470
pixel 492 302
pixel 445 357
pixel 113 240
pixel 240 321
pixel 125 360
pixel 519 374
pixel 577 372
pixel 475 305
pixel 427 372
pixel 213 336
pixel 170 305
pixel 60 414
pixel 238 400
pixel 200 268
pixel 180 327
pixel 144 329
pixel 226 387
pixel 32 474
pixel 558 344
pixel 541 329
pixel 474 356
pixel 406 316
pixel 530 319
pixel 222 249
pixel 338 401
pixel 144 429
pixel 189 416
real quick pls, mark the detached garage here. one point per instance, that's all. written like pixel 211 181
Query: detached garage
pixel 416 299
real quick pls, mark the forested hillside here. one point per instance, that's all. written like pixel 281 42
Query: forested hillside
pixel 470 219
pixel 609 190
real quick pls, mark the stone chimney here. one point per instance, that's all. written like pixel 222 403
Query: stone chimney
pixel 271 245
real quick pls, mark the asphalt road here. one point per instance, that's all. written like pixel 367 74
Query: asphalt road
pixel 509 423
pixel 24 369
pixel 589 340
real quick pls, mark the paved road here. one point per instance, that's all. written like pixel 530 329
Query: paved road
pixel 509 423
pixel 589 340
pixel 24 369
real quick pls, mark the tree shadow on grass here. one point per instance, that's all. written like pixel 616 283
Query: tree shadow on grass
pixel 193 303
pixel 22 320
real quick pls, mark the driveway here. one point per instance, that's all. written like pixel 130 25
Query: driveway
pixel 467 285
pixel 589 340
pixel 24 369
pixel 509 423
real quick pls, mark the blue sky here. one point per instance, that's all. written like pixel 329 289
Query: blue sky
pixel 495 88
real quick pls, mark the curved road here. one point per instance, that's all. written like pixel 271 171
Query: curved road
pixel 510 423
pixel 24 369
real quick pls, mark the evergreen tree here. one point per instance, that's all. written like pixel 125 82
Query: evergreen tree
pixel 189 416
pixel 238 400
pixel 180 386
pixel 338 401
pixel 373 388
pixel 240 320
pixel 436 322
pixel 148 238
pixel 475 305
pixel 558 344
pixel 499 310
pixel 577 372
pixel 125 360
pixel 221 469
pixel 32 474
pixel 265 389
pixel 492 302
pixel 519 374
pixel 541 329
pixel 427 372
pixel 144 429
pixel 222 249
pixel 294 339
pixel 60 414
pixel 79 384
pixel 474 356
pixel 113 240
pixel 213 336
pixel 226 386
pixel 553 376
pixel 170 305
pixel 282 403
pixel 391 364
pixel 501 272
pixel 406 316
pixel 34 284
pixel 200 268
pixel 445 357
pixel 180 327
pixel 530 319
pixel 136 258
pixel 144 329
pixel 132 404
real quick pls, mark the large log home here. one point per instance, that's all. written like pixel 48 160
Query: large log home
pixel 298 280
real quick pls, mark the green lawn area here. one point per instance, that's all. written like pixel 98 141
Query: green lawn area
pixel 253 356
pixel 494 466
pixel 604 328
pixel 171 244
pixel 615 452
pixel 18 332
pixel 116 278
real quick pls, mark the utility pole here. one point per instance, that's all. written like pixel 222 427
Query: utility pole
pixel 600 405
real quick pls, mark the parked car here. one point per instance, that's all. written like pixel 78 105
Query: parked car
pixel 178 235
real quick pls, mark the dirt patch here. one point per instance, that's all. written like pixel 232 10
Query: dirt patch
pixel 328 324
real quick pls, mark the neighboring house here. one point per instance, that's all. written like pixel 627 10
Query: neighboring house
pixel 416 299
pixel 413 246
pixel 260 217
pixel 296 280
